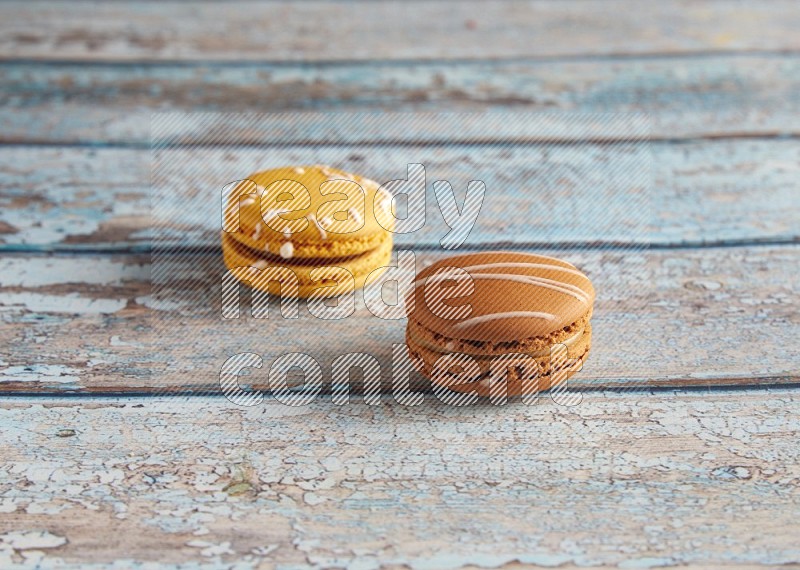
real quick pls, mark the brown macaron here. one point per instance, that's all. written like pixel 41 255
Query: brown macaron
pixel 519 317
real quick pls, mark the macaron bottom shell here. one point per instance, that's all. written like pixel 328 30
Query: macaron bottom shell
pixel 319 277
pixel 424 355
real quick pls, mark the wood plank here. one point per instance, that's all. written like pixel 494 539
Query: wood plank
pixel 69 199
pixel 334 31
pixel 692 317
pixel 684 480
pixel 708 96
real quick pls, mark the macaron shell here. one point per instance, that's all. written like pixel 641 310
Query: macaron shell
pixel 424 359
pixel 331 212
pixel 513 296
pixel 517 386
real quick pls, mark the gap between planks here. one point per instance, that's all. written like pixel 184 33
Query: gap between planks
pixel 765 136
pixel 722 386
pixel 620 247
pixel 399 62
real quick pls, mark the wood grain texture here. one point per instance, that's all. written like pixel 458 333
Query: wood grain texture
pixel 651 480
pixel 708 96
pixel 71 199
pixel 331 31
pixel 695 317
pixel 663 463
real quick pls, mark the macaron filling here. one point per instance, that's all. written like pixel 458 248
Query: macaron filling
pixel 267 259
pixel 310 248
pixel 454 346
pixel 323 276
pixel 487 347
pixel 578 351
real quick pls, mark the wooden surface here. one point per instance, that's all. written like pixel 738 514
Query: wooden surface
pixel 636 480
pixel 704 193
pixel 707 317
pixel 683 450
pixel 700 96
pixel 336 31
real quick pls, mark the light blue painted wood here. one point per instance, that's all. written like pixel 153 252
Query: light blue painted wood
pixel 202 484
pixel 684 97
pixel 93 323
pixel 701 192
pixel 343 31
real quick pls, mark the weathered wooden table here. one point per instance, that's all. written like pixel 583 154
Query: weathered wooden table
pixel 689 456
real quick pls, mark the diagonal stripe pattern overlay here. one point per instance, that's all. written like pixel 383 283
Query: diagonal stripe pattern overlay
pixel 582 215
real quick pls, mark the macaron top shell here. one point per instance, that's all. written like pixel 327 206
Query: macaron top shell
pixel 307 205
pixel 500 296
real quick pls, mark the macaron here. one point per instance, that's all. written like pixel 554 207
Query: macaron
pixel 331 229
pixel 508 308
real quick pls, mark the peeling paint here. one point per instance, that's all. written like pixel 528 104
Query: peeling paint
pixel 484 491
pixel 69 304
pixel 40 373
pixel 39 272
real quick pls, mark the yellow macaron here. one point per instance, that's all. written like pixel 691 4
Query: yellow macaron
pixel 331 229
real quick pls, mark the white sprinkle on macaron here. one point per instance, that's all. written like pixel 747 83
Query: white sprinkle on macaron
pixel 287 250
